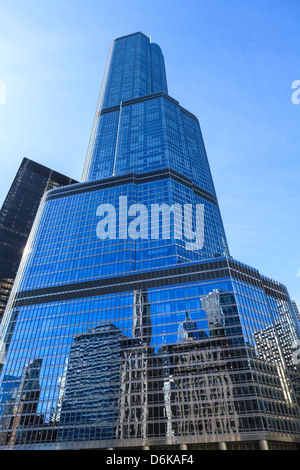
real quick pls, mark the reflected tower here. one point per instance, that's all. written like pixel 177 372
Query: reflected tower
pixel 88 408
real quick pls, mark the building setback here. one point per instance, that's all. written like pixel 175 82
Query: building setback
pixel 161 341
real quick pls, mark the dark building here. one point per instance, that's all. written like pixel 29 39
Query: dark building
pixel 17 216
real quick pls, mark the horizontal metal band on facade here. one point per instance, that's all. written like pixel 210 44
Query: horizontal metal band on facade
pixel 275 289
pixel 135 178
pixel 143 280
pixel 272 288
pixel 146 280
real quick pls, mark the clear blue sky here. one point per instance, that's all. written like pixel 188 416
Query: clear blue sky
pixel 230 62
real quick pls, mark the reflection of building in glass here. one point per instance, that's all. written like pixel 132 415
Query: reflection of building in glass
pixel 136 354
pixel 140 386
pixel 198 389
pixel 188 330
pixel 56 415
pixel 22 407
pixel 88 406
pixel 221 312
pixel 9 388
pixel 137 410
pixel 215 316
pixel 141 321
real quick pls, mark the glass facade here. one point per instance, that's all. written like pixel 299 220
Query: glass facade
pixel 17 216
pixel 142 337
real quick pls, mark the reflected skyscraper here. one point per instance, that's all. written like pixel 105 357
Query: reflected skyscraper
pixel 140 406
pixel 89 399
pixel 152 334
pixel 141 320
pixel 188 330
pixel 24 420
pixel 200 391
pixel 214 312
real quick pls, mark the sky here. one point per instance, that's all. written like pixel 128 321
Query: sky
pixel 232 63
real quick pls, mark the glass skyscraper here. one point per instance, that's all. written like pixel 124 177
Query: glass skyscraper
pixel 130 325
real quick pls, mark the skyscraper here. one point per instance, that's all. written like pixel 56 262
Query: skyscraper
pixel 296 309
pixel 132 265
pixel 17 216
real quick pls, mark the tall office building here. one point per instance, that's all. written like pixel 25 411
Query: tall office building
pixel 296 309
pixel 17 216
pixel 147 333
